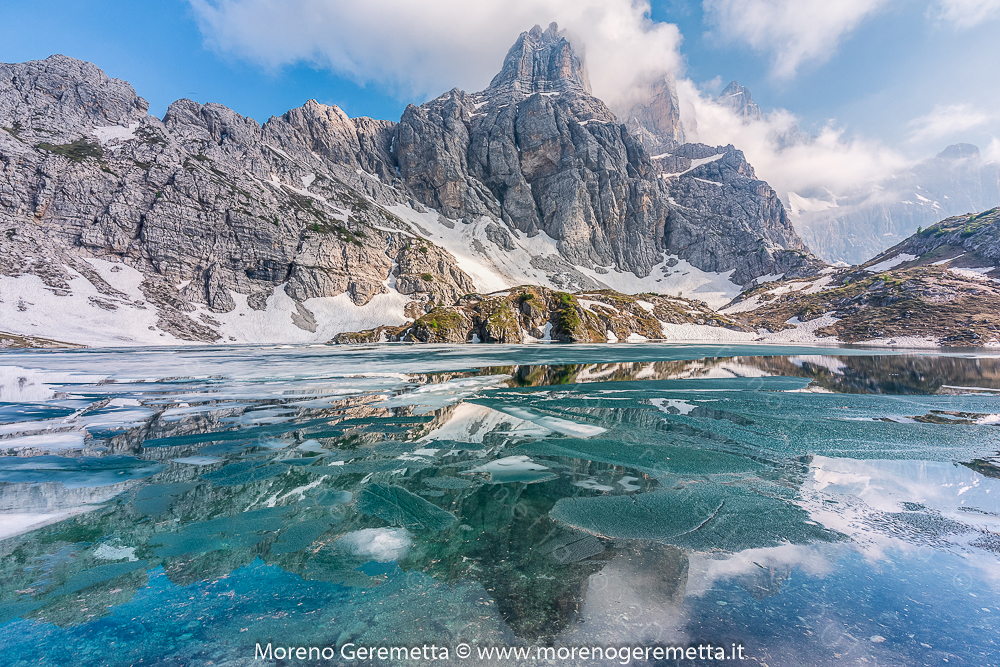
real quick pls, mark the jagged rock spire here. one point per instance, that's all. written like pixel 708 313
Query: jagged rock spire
pixel 739 99
pixel 541 62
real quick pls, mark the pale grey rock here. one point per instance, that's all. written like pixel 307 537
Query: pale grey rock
pixel 652 115
pixel 209 204
pixel 58 98
pixel 739 99
pixel 541 62
pixel 303 318
pixel 427 272
pixel 538 150
pixel 200 199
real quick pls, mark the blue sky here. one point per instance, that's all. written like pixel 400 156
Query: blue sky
pixel 156 45
pixel 888 64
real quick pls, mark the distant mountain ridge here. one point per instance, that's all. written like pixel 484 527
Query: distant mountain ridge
pixel 121 228
pixel 851 229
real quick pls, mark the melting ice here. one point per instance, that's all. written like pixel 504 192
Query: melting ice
pixel 819 506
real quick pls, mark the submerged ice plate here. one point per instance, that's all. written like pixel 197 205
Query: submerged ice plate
pixel 185 504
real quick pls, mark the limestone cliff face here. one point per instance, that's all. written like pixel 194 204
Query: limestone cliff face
pixel 205 203
pixel 537 150
pixel 222 216
pixel 652 115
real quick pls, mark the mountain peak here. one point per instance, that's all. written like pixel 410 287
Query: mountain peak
pixel 542 61
pixel 959 151
pixel 739 99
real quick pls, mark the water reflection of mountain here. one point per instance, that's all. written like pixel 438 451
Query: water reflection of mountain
pixel 887 374
pixel 540 488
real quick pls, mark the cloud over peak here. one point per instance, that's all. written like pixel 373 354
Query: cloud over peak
pixel 946 120
pixel 421 49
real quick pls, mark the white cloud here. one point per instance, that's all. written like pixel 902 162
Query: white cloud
pixel 422 49
pixel 781 154
pixel 992 152
pixel 792 31
pixel 967 13
pixel 947 120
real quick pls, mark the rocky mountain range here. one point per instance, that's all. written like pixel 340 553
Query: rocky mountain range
pixel 120 228
pixel 852 228
pixel 526 211
pixel 940 286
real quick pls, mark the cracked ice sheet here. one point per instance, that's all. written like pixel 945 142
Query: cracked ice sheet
pixel 434 396
pixel 470 422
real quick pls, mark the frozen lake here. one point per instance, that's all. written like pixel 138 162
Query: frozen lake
pixel 812 506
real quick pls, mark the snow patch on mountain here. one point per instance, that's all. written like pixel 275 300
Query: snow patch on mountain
pixel 494 268
pixel 113 134
pixel 978 273
pixel 798 204
pixel 891 263
pixel 81 314
pixel 715 289
pixel 803 332
pixel 332 315
pixel 490 266
pixel 693 333
pixel 86 316
pixel 694 165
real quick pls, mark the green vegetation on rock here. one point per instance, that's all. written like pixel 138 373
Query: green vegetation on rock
pixel 76 151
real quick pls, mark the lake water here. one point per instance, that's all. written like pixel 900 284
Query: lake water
pixel 801 506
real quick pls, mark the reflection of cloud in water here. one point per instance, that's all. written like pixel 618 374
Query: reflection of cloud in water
pixel 954 492
pixel 514 469
pixel 911 506
pixel 832 364
pixel 637 597
pixel 673 405
pixel 19 384
pixel 267 456
pixel 379 544
pixel 815 560
pixel 555 424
